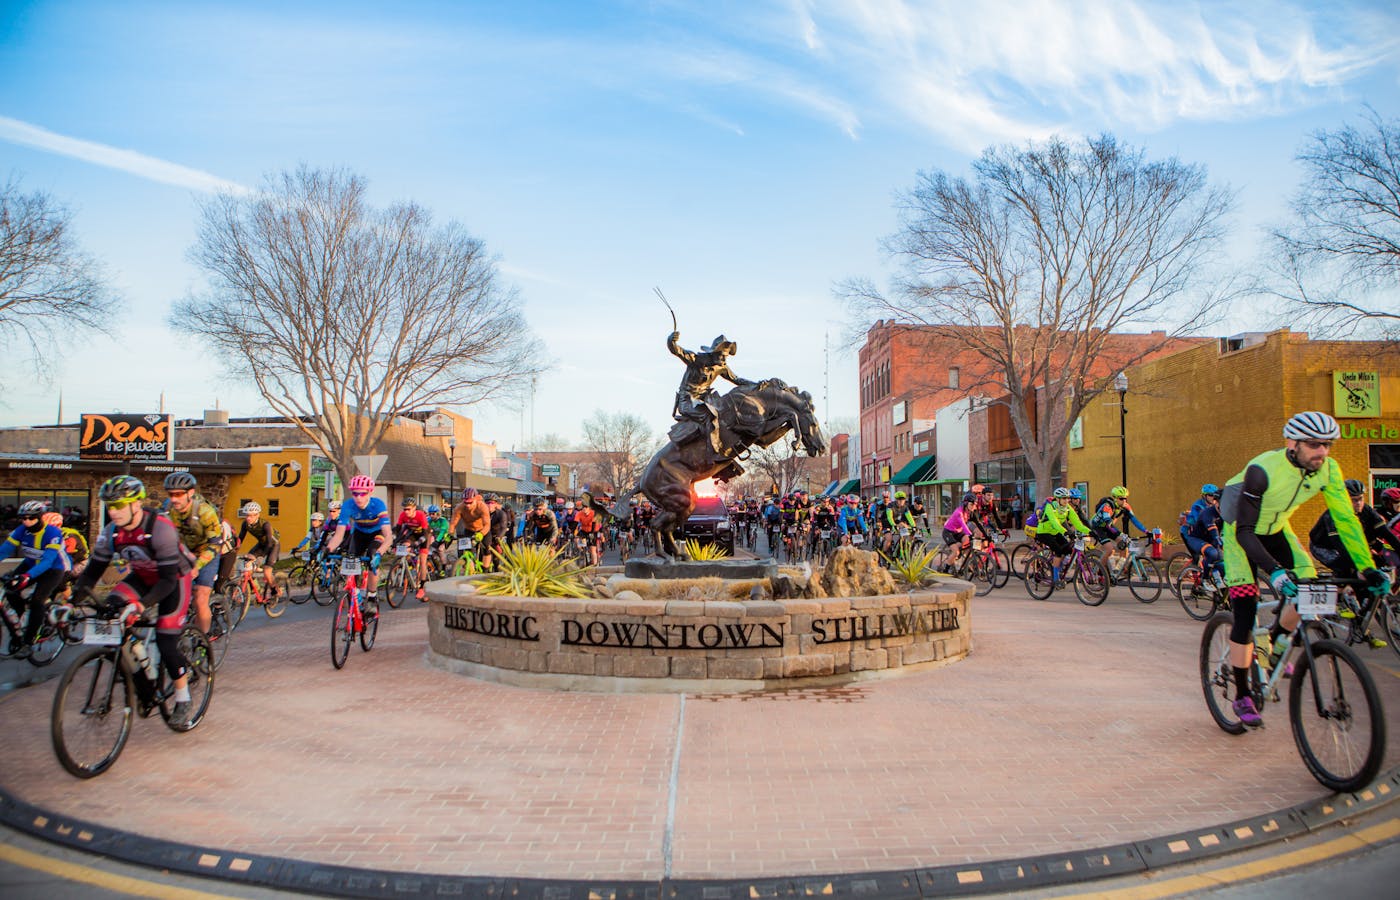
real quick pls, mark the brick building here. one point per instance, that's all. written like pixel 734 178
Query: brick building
pixel 1201 414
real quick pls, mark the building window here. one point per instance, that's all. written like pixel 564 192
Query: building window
pixel 272 508
pixel 954 376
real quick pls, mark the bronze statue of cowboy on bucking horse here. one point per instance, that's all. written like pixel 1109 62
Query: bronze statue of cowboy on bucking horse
pixel 714 432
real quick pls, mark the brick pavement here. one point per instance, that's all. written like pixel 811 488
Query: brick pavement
pixel 1066 727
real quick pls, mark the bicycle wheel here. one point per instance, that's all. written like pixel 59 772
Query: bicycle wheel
pixel 399 578
pixel 1174 566
pixel 1040 578
pixel 299 577
pixel 92 713
pixel 199 653
pixel 220 633
pixel 72 623
pixel 1197 597
pixel 323 587
pixel 48 643
pixel 1388 615
pixel 1144 579
pixel 1020 555
pixel 343 629
pixel 1002 564
pixel 275 604
pixel 371 628
pixel 1218 677
pixel 1091 587
pixel 239 602
pixel 1337 717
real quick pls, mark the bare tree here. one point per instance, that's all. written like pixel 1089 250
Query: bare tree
pixel 48 287
pixel 1035 263
pixel 550 443
pixel 1339 261
pixel 790 469
pixel 345 315
pixel 621 444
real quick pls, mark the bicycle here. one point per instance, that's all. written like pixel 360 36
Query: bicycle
pixel 49 640
pixel 246 590
pixel 303 574
pixel 116 678
pixel 350 620
pixel 624 544
pixel 402 578
pixel 1139 572
pixel 1334 709
pixel 1356 627
pixel 324 574
pixel 467 562
pixel 1088 575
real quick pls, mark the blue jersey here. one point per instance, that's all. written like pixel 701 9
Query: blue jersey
pixel 42 550
pixel 1203 522
pixel 369 520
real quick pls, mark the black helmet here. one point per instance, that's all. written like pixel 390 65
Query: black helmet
pixel 180 481
pixel 1354 487
pixel 122 487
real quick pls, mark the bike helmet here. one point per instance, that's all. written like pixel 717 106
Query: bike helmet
pixel 361 483
pixel 1311 426
pixel 318 517
pixel 434 509
pixel 1392 494
pixel 35 508
pixel 407 502
pixel 468 494
pixel 1354 488
pixel 1076 494
pixel 978 488
pixel 180 481
pixel 53 518
pixel 569 505
pixel 252 507
pixel 121 487
pixel 1062 493
pixel 900 495
pixel 1119 492
pixel 334 507
pixel 1209 490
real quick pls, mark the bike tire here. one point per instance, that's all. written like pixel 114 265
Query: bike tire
pixel 276 605
pixel 73 623
pixel 1337 754
pixel 371 629
pixel 323 588
pixel 1002 562
pixel 220 632
pixel 342 630
pixel 1199 601
pixel 1217 676
pixel 239 602
pixel 199 653
pixel 982 574
pixel 1388 614
pixel 300 576
pixel 1039 578
pixel 1091 587
pixel 1020 555
pixel 89 730
pixel 399 580
pixel 1144 580
pixel 1173 567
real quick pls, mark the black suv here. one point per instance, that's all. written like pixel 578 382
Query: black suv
pixel 709 523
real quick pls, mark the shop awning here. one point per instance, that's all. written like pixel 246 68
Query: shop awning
pixel 929 475
pixel 830 489
pixel 850 487
pixel 915 469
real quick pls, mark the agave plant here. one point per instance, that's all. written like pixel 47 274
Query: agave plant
pixel 704 552
pixel 913 565
pixel 534 570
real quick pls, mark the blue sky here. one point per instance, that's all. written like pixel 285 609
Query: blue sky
pixel 744 156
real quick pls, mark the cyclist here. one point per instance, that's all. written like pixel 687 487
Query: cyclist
pixel 1390 509
pixel 987 508
pixel 1053 524
pixel 540 525
pixel 314 530
pixel 1326 544
pixel 266 543
pixel 501 531
pixel 1256 504
pixel 957 528
pixel 412 529
pixel 366 519
pixel 76 546
pixel 160 573
pixel 849 520
pixel 202 532
pixel 920 513
pixel 1202 533
pixel 471 517
pixel 1108 514
pixel 45 565
pixel 442 532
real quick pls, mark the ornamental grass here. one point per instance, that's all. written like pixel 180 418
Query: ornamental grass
pixel 534 570
pixel 699 552
pixel 913 565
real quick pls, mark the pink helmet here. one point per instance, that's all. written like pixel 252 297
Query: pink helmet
pixel 361 483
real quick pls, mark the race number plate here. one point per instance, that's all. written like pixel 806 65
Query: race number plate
pixel 401 550
pixel 104 634
pixel 1317 600
pixel 1079 544
pixel 464 544
pixel 904 531
pixel 304 556
pixel 351 565
pixel 857 538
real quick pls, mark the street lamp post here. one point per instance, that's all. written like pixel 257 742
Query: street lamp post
pixel 452 468
pixel 1120 384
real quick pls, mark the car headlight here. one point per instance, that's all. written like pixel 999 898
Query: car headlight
pixel 722 526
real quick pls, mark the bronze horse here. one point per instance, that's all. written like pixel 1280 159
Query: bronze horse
pixel 758 413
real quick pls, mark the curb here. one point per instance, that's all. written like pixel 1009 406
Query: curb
pixel 969 879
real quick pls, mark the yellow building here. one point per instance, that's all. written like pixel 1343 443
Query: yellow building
pixel 1200 415
pixel 280 481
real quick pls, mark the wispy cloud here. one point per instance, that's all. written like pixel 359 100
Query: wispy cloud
pixel 139 164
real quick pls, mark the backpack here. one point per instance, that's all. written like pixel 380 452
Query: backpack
pixel 1032 519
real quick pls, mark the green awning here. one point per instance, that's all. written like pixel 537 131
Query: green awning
pixel 914 470
pixel 850 487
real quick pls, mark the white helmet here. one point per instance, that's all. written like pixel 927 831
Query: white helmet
pixel 1311 426
pixel 251 507
pixel 318 517
pixel 335 506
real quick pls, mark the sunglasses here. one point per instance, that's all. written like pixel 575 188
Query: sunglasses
pixel 177 495
pixel 359 493
pixel 120 504
pixel 1316 445
pixel 29 518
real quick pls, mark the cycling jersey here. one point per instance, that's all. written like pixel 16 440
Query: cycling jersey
pixel 850 519
pixel 1327 546
pixel 369 520
pixel 200 529
pixel 440 528
pixel 262 531
pixel 1203 522
pixel 42 550
pixel 412 523
pixel 1054 518
pixel 1107 513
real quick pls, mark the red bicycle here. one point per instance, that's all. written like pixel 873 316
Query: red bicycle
pixel 350 620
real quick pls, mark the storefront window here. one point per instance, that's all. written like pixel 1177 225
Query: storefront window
pixel 73 505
